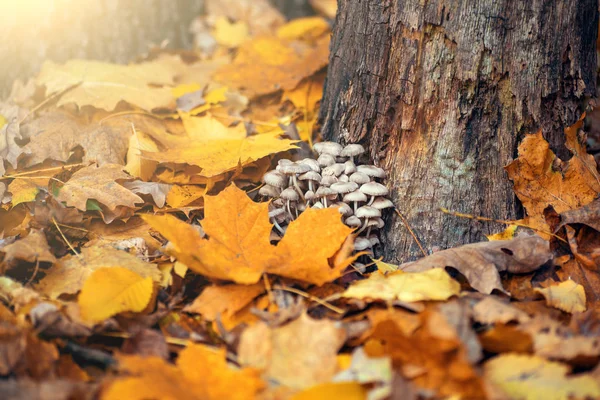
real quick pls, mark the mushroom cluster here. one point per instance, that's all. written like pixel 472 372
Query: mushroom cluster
pixel 334 179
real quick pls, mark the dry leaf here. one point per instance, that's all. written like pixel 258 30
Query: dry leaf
pixel 531 377
pixel 433 284
pixel 70 273
pixel 110 291
pixel 481 262
pixel 492 310
pixel 98 183
pixel 224 300
pixel 24 190
pixel 104 85
pixel 299 355
pixel 567 296
pixel 337 390
pixel 31 249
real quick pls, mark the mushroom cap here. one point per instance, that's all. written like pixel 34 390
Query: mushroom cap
pixel 268 191
pixel 328 180
pixel 277 203
pixel 350 168
pixel 326 160
pixel 344 187
pixel 362 243
pixel 367 212
pixel 312 163
pixel 380 222
pixel 275 178
pixel 352 150
pixel 310 176
pixel 309 195
pixel 381 203
pixel 360 177
pixel 323 191
pixel 284 161
pixel 353 221
pixel 318 205
pixel 343 178
pixel 276 212
pixel 301 206
pixel 357 195
pixel 374 240
pixel 294 168
pixel 333 148
pixel 333 170
pixel 371 170
pixel 343 208
pixel 374 189
pixel 290 194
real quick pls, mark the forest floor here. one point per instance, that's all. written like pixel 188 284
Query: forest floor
pixel 140 260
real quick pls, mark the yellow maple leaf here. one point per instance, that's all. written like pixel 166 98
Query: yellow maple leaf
pixel 238 246
pixel 216 148
pixel 532 377
pixel 109 291
pixel 304 28
pixel 224 300
pixel 433 284
pixel 104 85
pixel 137 165
pixel 201 373
pixel 567 296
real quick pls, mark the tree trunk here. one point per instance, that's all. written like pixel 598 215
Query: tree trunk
pixel 441 92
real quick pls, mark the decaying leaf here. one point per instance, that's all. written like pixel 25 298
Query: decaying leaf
pixel 433 284
pixel 299 354
pixel 492 310
pixel 109 291
pixel 532 377
pixel 481 262
pixel 567 296
pixel 31 249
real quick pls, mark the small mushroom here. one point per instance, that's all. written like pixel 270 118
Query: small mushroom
pixel 343 178
pixel 310 176
pixel 312 163
pixel 317 205
pixel 268 191
pixel 323 192
pixel 273 218
pixel 355 197
pixel 374 240
pixel 333 148
pixel 343 187
pixel 350 168
pixel 290 195
pixel 362 243
pixel 309 195
pixel 373 189
pixel 352 150
pixel 333 170
pixel 381 203
pixel 282 162
pixel 343 208
pixel 367 212
pixel 326 160
pixel 292 170
pixel 360 178
pixel 328 180
pixel 276 178
pixel 371 170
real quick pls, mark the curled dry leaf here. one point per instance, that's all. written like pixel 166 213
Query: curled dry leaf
pixel 433 284
pixel 481 263
pixel 224 300
pixel 492 310
pixel 532 377
pixel 109 291
pixel 33 248
pixel 567 296
pixel 299 355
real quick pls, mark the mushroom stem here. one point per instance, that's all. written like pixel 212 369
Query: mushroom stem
pixel 295 183
pixel 371 201
pixel 362 228
pixel 289 210
pixel 325 201
pixel 279 228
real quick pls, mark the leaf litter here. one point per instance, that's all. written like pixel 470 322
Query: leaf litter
pixel 139 262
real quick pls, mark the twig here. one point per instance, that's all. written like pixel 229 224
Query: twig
pixel 35 271
pixel 49 99
pixel 405 222
pixel 310 297
pixel 39 170
pixel 65 239
pixel 500 221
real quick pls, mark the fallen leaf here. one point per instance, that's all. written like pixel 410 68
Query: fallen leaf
pixel 532 377
pixel 481 262
pixel 300 354
pixel 104 85
pixel 366 370
pixel 308 28
pixel 101 184
pixel 110 291
pixel 201 373
pixel 24 190
pixel 260 15
pixel 33 248
pixel 492 310
pixel 433 284
pixel 137 165
pixel 567 296
pixel 224 300
pixel 70 273
pixel 334 390
pixel 158 191
pixel 10 115
pixel 230 34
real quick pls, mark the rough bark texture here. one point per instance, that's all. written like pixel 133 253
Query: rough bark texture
pixel 441 91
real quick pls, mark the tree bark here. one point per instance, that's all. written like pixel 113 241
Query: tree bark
pixel 441 91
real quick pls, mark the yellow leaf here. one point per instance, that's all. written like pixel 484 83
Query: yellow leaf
pixel 104 85
pixel 304 29
pixel 183 195
pixel 101 184
pixel 185 88
pixel 224 300
pixel 138 166
pixel 337 390
pixel 385 267
pixel 200 374
pixel 531 378
pixel 433 284
pixel 507 234
pixel 307 94
pixel 23 190
pixel 567 296
pixel 230 34
pixel 216 148
pixel 109 291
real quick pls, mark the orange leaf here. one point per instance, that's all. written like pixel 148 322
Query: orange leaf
pixel 226 299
